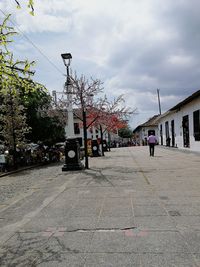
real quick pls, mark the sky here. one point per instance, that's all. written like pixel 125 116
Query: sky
pixel 133 46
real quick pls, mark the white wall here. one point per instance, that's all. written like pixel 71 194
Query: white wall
pixel 90 135
pixel 187 109
pixel 168 118
pixel 143 133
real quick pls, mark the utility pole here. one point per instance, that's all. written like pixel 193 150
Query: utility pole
pixel 158 92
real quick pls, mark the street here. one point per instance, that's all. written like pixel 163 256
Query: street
pixel 128 209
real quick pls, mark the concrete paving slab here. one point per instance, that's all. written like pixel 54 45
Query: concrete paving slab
pixel 42 259
pixel 138 241
pixel 115 222
pixel 187 222
pixel 197 258
pixel 149 201
pixel 63 260
pixel 192 239
pixel 112 260
pixel 117 211
pixel 110 242
pixel 75 242
pixel 117 201
pixel 23 249
pixel 175 192
pixel 83 192
pixel 148 210
pixel 155 223
pixel 128 210
pixel 85 211
pixel 139 194
pixel 182 200
pixel 185 210
pixel 69 223
pixel 166 260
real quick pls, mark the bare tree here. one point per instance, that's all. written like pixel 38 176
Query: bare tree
pixel 113 116
pixel 84 92
pixel 91 109
pixel 30 5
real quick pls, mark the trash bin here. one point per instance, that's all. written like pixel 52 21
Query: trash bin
pixel 72 155
pixel 95 148
pixel 105 146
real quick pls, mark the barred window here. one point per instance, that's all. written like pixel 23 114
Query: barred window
pixel 76 128
pixel 196 123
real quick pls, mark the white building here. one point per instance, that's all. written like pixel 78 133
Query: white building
pixel 142 131
pixel 93 133
pixel 180 126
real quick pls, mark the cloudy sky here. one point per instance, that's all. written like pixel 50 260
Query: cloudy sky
pixel 133 46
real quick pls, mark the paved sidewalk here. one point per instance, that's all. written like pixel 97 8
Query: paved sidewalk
pixel 128 210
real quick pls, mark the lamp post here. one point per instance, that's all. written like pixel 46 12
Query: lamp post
pixel 72 147
pixel 69 130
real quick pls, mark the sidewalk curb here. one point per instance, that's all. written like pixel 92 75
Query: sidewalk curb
pixel 181 150
pixel 25 168
pixel 19 170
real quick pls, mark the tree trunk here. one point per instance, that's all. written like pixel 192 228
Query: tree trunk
pixel 85 139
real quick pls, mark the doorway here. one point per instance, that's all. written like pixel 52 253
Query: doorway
pixel 173 133
pixel 186 135
pixel 151 132
pixel 167 133
pixel 161 134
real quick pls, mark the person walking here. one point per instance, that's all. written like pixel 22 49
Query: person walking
pixel 152 141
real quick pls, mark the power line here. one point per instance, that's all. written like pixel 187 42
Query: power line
pixel 31 42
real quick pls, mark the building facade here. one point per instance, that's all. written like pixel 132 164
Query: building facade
pixel 142 131
pixel 180 126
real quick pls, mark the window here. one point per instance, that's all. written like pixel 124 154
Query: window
pixel 76 128
pixel 196 123
pixel 161 130
pixel 167 129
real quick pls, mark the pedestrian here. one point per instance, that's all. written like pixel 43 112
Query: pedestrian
pixel 152 141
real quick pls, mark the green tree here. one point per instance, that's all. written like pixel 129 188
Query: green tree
pixel 45 127
pixel 13 75
pixel 125 132
pixel 18 89
pixel 13 126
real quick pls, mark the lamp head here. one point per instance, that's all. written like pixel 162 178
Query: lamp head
pixel 66 58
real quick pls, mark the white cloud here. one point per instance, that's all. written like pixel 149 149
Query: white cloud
pixel 134 46
pixel 179 60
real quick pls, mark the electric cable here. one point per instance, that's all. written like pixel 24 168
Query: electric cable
pixel 31 42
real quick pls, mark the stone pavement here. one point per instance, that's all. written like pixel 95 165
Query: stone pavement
pixel 129 209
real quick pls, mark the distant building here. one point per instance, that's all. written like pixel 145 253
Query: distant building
pixel 180 126
pixel 93 133
pixel 142 131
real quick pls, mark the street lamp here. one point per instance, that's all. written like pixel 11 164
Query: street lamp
pixel 66 59
pixel 69 130
pixel 72 147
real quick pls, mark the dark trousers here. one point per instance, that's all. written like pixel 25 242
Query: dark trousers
pixel 151 149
